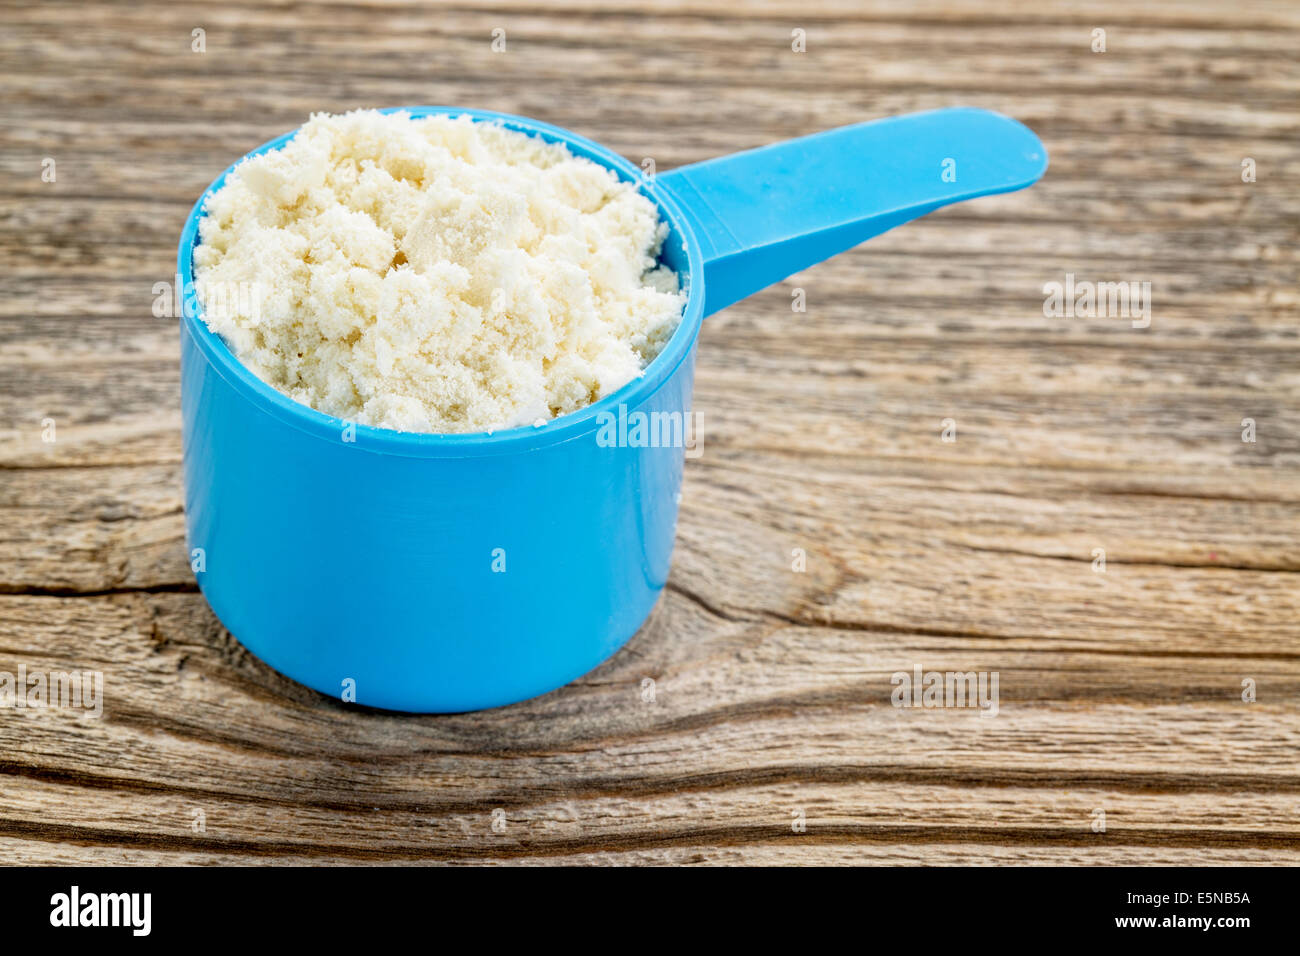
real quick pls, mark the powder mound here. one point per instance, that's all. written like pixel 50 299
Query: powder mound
pixel 434 274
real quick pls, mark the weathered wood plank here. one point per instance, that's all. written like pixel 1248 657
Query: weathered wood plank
pixel 1119 690
pixel 191 722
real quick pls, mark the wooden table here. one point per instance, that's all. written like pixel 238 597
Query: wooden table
pixel 1121 690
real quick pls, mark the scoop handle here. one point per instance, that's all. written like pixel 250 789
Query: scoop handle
pixel 766 213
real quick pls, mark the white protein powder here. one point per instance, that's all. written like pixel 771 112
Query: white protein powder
pixel 435 274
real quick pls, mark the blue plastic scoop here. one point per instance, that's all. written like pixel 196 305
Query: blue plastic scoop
pixel 441 573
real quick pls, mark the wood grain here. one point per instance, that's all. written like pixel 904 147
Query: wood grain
pixel 1120 691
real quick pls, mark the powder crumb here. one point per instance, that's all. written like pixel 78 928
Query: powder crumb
pixel 435 274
